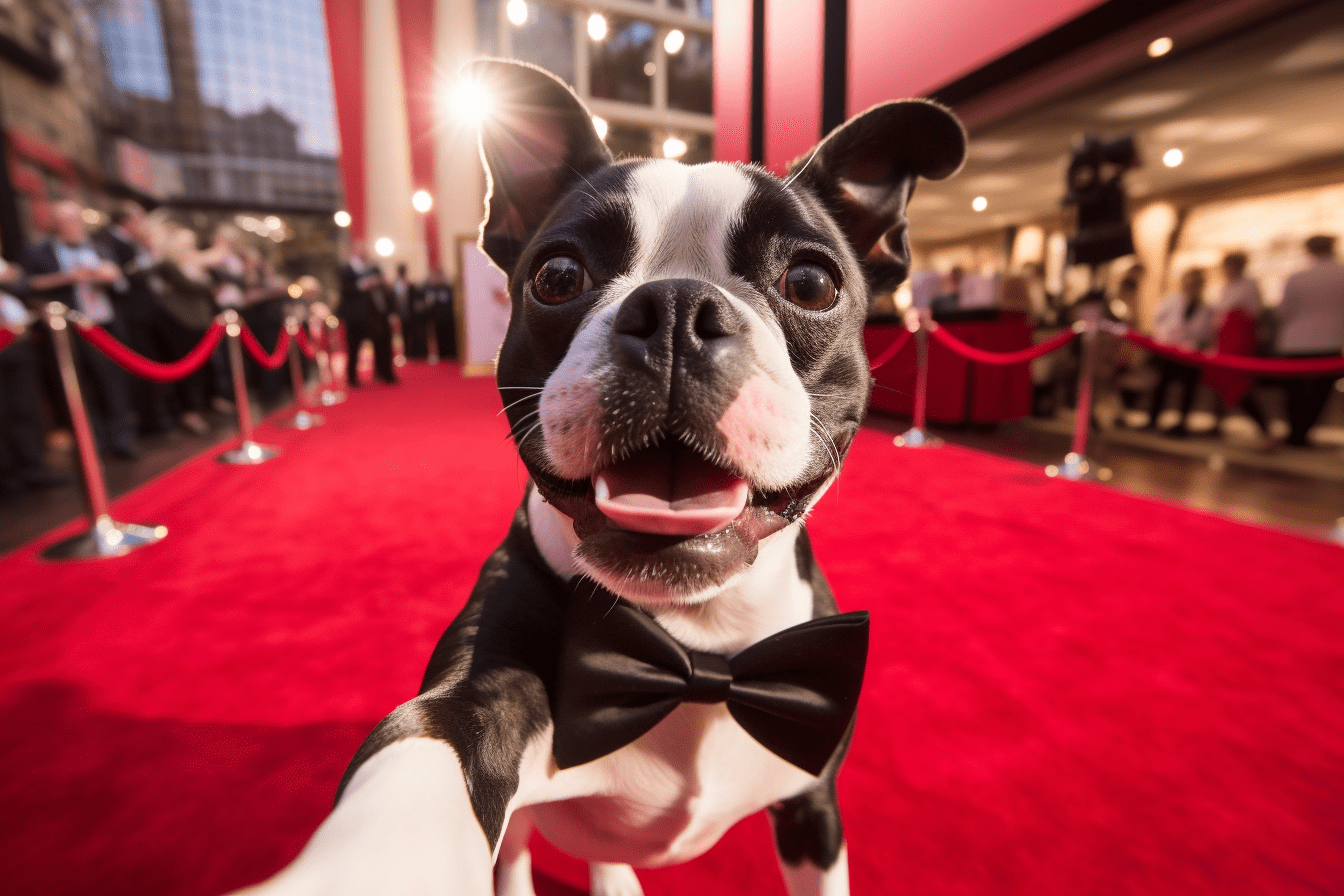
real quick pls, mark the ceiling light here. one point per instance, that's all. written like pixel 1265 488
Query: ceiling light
pixel 600 125
pixel 674 148
pixel 1173 157
pixel 295 291
pixel 597 26
pixel 674 41
pixel 517 12
pixel 342 218
pixel 421 201
pixel 979 203
pixel 384 246
pixel 1159 47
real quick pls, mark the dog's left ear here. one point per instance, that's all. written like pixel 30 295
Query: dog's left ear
pixel 865 172
pixel 537 142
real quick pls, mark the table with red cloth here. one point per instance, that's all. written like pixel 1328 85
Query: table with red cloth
pixel 960 391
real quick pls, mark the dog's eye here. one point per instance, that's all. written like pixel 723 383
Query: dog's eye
pixel 809 286
pixel 560 279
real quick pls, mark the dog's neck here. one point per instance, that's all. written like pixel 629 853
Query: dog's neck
pixel 769 597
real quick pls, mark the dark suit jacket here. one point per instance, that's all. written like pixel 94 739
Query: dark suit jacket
pixel 40 258
pixel 360 306
pixel 140 296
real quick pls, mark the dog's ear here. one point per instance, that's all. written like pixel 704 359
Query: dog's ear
pixel 865 172
pixel 536 142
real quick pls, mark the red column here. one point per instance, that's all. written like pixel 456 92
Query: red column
pixel 415 30
pixel 793 39
pixel 732 81
pixel 345 44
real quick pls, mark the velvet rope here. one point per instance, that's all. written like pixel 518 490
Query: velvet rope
pixel 141 366
pixel 1279 367
pixel 1018 357
pixel 275 359
pixel 890 351
pixel 7 337
pixel 305 345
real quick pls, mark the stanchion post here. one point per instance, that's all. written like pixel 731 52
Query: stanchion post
pixel 1076 464
pixel 917 436
pixel 249 452
pixel 303 418
pixel 431 340
pixel 332 393
pixel 106 537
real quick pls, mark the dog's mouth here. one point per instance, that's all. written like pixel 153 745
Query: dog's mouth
pixel 670 490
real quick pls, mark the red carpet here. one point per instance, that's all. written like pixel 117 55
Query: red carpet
pixel 1071 690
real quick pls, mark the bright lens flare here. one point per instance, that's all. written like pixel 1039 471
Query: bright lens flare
pixel 1173 157
pixel 674 148
pixel 469 102
pixel 597 26
pixel 295 291
pixel 421 201
pixel 674 41
pixel 342 218
pixel 517 12
pixel 1160 47
pixel 600 125
pixel 979 203
pixel 384 246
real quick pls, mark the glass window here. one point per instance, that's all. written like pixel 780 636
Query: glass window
pixel 621 66
pixel 547 39
pixel 624 140
pixel 690 75
pixel 702 8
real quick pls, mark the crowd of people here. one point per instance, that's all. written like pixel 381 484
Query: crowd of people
pixel 157 285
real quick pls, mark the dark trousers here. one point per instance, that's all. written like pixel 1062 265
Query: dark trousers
pixel 106 397
pixel 1173 372
pixel 445 328
pixel 1306 401
pixel 22 434
pixel 379 332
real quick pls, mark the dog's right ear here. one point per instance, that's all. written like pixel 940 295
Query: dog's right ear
pixel 536 143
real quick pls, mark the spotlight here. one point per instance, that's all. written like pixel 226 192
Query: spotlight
pixel 342 218
pixel 517 12
pixel 1159 47
pixel 600 125
pixel 674 41
pixel 597 26
pixel 469 102
pixel 674 148
pixel 979 203
pixel 1173 157
pixel 421 201
pixel 384 246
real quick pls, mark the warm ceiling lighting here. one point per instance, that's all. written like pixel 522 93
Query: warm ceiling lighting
pixel 295 291
pixel 421 201
pixel 342 218
pixel 674 148
pixel 597 26
pixel 517 12
pixel 979 203
pixel 384 246
pixel 600 125
pixel 1173 157
pixel 674 41
pixel 1159 47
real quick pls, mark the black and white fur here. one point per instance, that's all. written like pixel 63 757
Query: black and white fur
pixel 681 338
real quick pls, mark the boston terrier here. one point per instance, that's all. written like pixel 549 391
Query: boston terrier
pixel 652 654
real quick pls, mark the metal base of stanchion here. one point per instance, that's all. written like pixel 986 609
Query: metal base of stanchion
pixel 107 538
pixel 249 453
pixel 914 437
pixel 432 360
pixel 1337 533
pixel 330 397
pixel 1078 467
pixel 303 420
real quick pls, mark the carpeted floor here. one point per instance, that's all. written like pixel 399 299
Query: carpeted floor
pixel 1070 691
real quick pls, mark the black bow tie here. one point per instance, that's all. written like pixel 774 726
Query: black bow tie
pixel 621 674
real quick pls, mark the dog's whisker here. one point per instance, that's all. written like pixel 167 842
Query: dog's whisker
pixel 514 403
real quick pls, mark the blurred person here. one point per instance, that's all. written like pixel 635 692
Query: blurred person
pixel 1234 316
pixel 950 298
pixel 22 442
pixel 1311 325
pixel 265 297
pixel 437 298
pixel 364 307
pixel 1185 322
pixel 228 272
pixel 69 268
pixel 187 295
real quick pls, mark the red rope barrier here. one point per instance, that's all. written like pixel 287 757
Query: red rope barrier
pixel 275 358
pixel 1002 358
pixel 7 337
pixel 890 351
pixel 141 366
pixel 305 345
pixel 1283 367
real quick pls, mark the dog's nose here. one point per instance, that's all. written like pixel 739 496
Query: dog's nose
pixel 687 320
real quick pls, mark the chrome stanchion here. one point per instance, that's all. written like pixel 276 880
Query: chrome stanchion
pixel 332 393
pixel 107 537
pixel 1337 533
pixel 917 436
pixel 431 341
pixel 1076 464
pixel 398 341
pixel 303 418
pixel 249 452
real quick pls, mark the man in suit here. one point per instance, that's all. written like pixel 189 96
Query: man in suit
pixel 364 308
pixel 437 295
pixel 69 268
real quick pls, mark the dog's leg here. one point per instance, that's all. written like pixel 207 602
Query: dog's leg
pixel 810 843
pixel 513 868
pixel 608 879
pixel 403 825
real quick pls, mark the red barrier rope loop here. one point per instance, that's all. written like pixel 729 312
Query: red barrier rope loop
pixel 1001 358
pixel 890 351
pixel 1278 367
pixel 305 346
pixel 7 337
pixel 271 361
pixel 138 364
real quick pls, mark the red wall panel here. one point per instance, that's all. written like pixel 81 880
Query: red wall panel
pixel 793 40
pixel 345 43
pixel 415 29
pixel 732 81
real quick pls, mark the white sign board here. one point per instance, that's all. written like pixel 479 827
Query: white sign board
pixel 485 309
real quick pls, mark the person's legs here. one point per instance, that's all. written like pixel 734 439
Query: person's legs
pixel 1188 377
pixel 1166 373
pixel 382 353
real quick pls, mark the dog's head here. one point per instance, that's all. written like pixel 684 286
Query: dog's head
pixel 684 367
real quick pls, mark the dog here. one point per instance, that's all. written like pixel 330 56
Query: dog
pixel 683 373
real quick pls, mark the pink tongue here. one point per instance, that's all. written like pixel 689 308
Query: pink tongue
pixel 669 492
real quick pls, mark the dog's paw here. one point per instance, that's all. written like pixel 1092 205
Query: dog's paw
pixel 613 880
